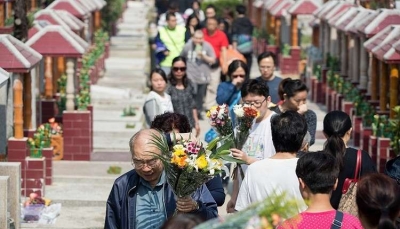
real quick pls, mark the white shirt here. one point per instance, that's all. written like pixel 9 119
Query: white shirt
pixel 267 177
pixel 162 21
pixel 259 143
pixel 165 103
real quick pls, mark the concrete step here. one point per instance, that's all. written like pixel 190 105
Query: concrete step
pixel 125 63
pixel 120 144
pixel 110 115
pixel 124 81
pixel 88 168
pixel 114 128
pixel 75 217
pixel 111 155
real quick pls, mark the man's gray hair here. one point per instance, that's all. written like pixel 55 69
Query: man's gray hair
pixel 147 132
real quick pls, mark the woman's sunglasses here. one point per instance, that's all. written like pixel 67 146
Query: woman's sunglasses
pixel 236 76
pixel 179 69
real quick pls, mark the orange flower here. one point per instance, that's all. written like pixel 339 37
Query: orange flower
pixel 179 158
pixel 250 112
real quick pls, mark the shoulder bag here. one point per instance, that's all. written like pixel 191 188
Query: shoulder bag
pixel 348 200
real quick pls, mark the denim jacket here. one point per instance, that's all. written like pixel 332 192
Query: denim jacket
pixel 121 203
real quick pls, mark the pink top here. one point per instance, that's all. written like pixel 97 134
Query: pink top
pixel 319 220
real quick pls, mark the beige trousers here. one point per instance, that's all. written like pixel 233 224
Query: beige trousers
pixel 212 89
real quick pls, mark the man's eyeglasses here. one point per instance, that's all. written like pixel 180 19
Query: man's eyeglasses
pixel 236 76
pixel 140 163
pixel 256 104
pixel 179 69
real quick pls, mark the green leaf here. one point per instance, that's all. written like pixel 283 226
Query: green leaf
pixel 213 143
pixel 232 159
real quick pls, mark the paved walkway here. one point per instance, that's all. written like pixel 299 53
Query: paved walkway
pixel 83 187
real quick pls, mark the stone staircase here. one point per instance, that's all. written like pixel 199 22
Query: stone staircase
pixel 122 86
pixel 82 187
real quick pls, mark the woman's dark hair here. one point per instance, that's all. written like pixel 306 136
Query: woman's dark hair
pixel 160 72
pixel 168 121
pixel 290 87
pixel 182 221
pixel 198 3
pixel 235 65
pixel 336 125
pixel 255 87
pixel 319 171
pixel 378 201
pixel 193 15
pixel 171 77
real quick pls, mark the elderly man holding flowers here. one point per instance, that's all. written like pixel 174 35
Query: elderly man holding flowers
pixel 144 197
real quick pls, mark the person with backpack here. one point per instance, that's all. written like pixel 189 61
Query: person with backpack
pixel 242 32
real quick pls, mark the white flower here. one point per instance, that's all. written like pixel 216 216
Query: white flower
pixel 238 110
pixel 221 114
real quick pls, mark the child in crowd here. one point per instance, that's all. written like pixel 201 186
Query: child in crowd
pixel 318 176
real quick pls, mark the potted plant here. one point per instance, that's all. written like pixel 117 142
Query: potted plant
pixel 35 145
pixel 394 127
pixel 271 46
pixel 62 95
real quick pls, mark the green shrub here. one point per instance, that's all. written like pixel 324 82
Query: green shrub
pixel 221 5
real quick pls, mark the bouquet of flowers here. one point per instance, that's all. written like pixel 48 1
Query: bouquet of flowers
pixel 237 135
pixel 245 116
pixel 267 214
pixel 188 165
pixel 220 120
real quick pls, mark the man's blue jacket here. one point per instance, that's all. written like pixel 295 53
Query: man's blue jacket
pixel 121 203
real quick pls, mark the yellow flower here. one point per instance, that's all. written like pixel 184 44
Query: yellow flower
pixel 179 157
pixel 201 162
pixel 213 109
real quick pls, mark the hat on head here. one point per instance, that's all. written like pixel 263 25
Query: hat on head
pixel 392 169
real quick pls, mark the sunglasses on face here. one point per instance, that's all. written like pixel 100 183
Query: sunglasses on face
pixel 179 69
pixel 236 76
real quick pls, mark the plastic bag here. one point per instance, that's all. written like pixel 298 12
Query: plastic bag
pixel 32 212
pixel 50 213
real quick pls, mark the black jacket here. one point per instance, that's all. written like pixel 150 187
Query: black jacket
pixel 121 203
pixel 242 25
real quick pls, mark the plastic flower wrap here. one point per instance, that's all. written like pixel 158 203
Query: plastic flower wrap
pixel 267 214
pixel 188 164
pixel 220 120
pixel 245 116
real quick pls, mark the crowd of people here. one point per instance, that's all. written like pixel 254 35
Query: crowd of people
pixel 191 49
